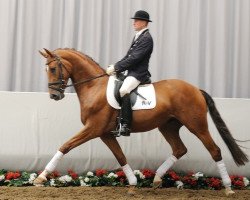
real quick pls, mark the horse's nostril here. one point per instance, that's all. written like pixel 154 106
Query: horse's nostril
pixel 53 96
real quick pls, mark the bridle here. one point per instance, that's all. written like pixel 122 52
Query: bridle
pixel 61 81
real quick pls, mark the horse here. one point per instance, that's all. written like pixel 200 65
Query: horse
pixel 178 104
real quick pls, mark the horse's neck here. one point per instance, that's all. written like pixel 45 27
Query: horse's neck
pixel 85 69
pixel 91 96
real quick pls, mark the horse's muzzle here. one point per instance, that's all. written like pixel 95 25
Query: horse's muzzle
pixel 57 97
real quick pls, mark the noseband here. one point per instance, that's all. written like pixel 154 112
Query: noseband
pixel 61 81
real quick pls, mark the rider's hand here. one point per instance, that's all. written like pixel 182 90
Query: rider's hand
pixel 110 70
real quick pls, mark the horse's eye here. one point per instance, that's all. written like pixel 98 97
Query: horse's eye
pixel 53 70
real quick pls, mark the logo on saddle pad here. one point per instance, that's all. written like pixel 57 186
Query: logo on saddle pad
pixel 142 98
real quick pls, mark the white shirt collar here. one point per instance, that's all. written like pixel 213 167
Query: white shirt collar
pixel 140 32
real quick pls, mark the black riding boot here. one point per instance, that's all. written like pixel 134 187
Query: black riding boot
pixel 125 115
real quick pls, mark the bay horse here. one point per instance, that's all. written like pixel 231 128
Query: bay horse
pixel 178 104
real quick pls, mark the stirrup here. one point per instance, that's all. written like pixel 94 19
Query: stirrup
pixel 120 130
pixel 117 132
pixel 125 131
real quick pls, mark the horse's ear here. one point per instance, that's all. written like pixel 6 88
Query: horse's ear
pixel 49 53
pixel 43 54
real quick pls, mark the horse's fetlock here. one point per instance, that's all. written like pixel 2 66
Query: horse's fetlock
pixel 64 149
pixel 216 154
pixel 181 152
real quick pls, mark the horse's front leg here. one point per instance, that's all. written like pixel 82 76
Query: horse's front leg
pixel 86 134
pixel 114 146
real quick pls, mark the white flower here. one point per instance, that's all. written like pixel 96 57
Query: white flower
pixel 82 183
pixel 246 181
pixel 2 177
pixel 32 177
pixel 111 175
pixel 52 182
pixel 65 178
pixel 179 184
pixel 137 172
pixel 86 180
pixel 198 175
pixel 90 174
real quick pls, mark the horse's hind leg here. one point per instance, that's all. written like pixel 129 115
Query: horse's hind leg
pixel 200 129
pixel 114 146
pixel 170 131
pixel 215 152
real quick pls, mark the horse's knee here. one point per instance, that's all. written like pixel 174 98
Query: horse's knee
pixel 178 153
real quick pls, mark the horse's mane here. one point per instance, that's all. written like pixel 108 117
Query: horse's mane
pixel 82 54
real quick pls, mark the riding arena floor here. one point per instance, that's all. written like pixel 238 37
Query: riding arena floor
pixel 103 193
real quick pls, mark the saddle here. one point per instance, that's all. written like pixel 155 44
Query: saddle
pixel 133 94
pixel 142 97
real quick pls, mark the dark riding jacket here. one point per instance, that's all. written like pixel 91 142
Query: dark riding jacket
pixel 137 58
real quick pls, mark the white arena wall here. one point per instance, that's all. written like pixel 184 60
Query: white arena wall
pixel 33 127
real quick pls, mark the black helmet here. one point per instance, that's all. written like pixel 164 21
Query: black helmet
pixel 142 15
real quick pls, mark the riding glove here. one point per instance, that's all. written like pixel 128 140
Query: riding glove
pixel 110 70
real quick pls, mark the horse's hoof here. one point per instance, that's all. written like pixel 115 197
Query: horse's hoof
pixel 229 192
pixel 39 181
pixel 157 182
pixel 131 190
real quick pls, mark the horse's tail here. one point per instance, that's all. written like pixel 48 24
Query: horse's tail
pixel 240 158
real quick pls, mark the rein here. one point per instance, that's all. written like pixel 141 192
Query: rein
pixel 86 80
pixel 61 80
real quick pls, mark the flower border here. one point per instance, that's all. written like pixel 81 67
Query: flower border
pixel 102 177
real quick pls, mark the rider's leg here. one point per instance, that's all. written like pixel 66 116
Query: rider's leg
pixel 129 84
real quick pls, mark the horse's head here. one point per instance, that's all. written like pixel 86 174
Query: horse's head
pixel 57 73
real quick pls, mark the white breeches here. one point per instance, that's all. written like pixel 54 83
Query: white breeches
pixel 128 85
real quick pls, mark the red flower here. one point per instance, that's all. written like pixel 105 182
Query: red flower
pixel 148 173
pixel 53 175
pixel 120 174
pixel 214 183
pixel 233 178
pixel 9 176
pixel 12 175
pixel 174 176
pixel 72 174
pixel 237 182
pixel 190 180
pixel 17 175
pixel 100 172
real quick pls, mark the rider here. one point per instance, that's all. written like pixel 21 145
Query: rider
pixel 136 63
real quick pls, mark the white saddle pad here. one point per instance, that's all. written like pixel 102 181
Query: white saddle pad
pixel 147 91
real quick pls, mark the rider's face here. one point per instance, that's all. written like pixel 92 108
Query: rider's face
pixel 139 24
